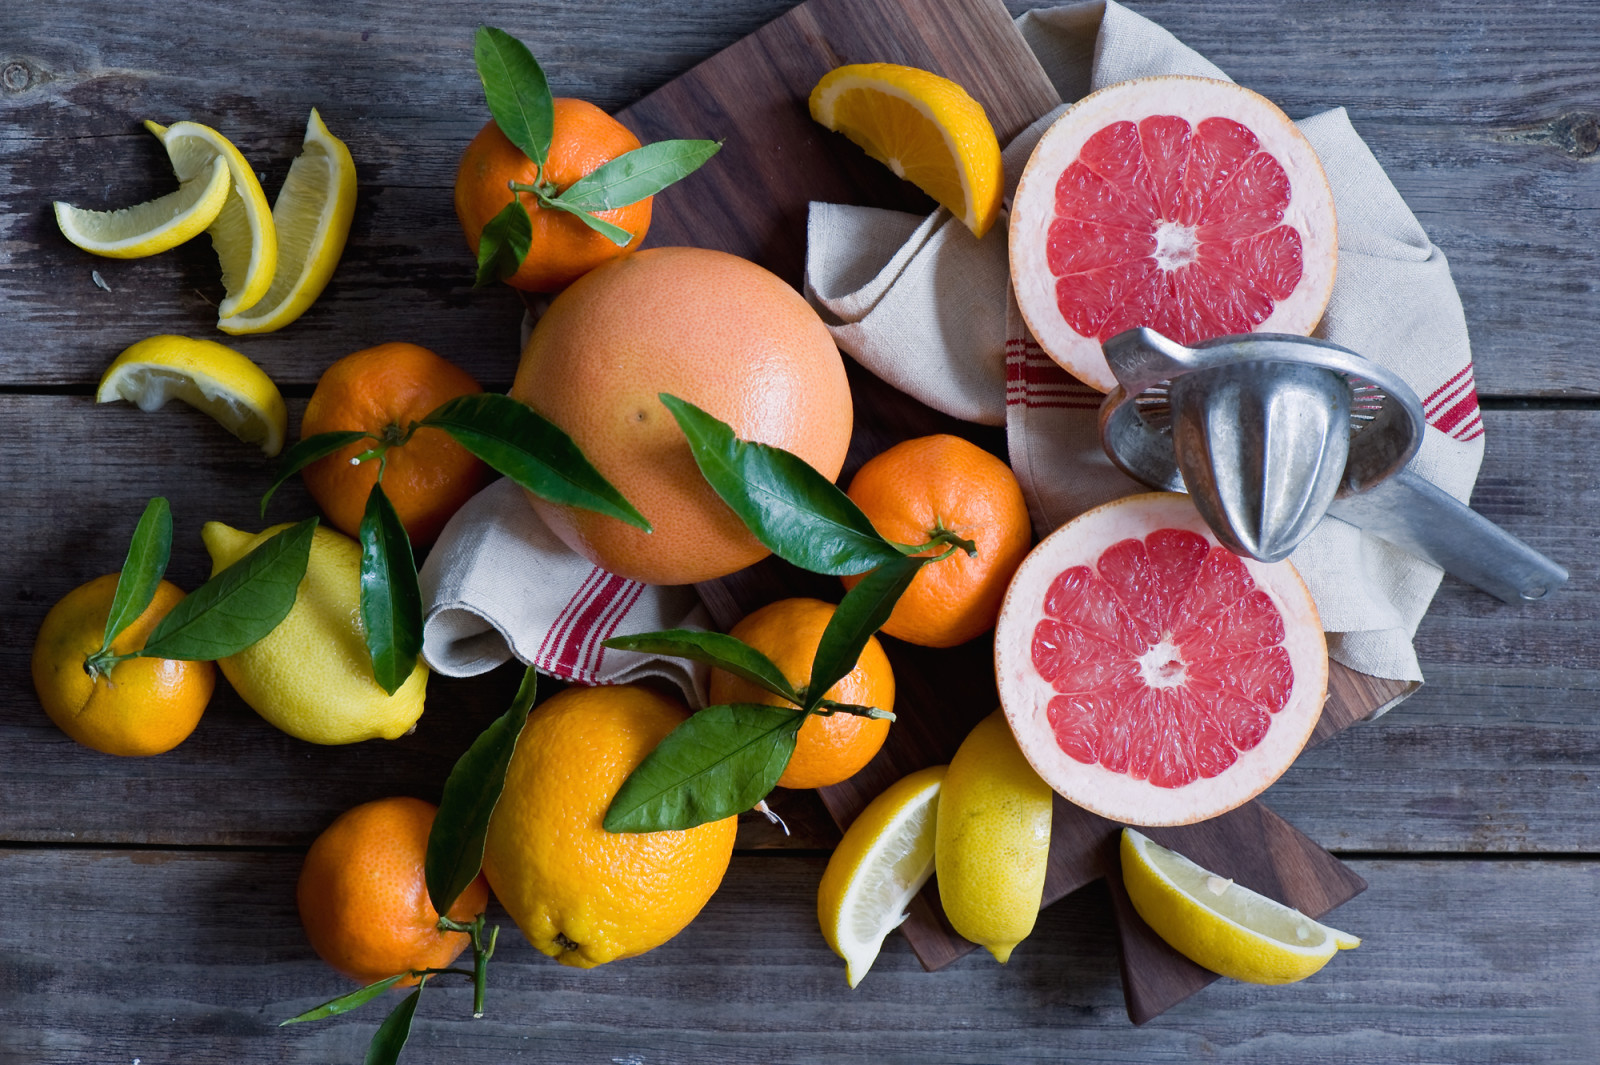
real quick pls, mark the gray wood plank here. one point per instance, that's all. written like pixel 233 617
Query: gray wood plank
pixel 1477 111
pixel 195 957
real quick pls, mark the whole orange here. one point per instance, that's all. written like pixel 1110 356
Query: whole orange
pixel 363 894
pixel 581 894
pixel 583 138
pixel 936 483
pixel 144 705
pixel 382 391
pixel 721 332
pixel 828 749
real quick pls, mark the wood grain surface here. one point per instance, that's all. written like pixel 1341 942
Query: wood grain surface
pixel 149 902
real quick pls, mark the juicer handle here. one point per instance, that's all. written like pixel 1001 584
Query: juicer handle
pixel 1414 514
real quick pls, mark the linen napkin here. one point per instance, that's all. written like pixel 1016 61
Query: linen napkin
pixel 928 308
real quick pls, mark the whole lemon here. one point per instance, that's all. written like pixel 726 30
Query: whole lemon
pixel 992 839
pixel 581 894
pixel 312 676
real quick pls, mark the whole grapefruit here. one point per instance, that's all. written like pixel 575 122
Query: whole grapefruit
pixel 717 330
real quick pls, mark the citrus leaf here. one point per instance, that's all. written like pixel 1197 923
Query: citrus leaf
pixel 720 762
pixel 390 1038
pixel 238 606
pixel 861 613
pixel 391 602
pixel 345 1003
pixel 796 512
pixel 724 652
pixel 455 844
pixel 517 92
pixel 307 451
pixel 504 243
pixel 531 450
pixel 614 233
pixel 142 570
pixel 632 176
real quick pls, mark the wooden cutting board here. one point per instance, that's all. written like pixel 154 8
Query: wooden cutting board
pixel 752 200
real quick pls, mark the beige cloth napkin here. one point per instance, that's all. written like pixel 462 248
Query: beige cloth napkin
pixel 927 307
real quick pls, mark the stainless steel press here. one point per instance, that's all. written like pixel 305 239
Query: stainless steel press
pixel 1268 433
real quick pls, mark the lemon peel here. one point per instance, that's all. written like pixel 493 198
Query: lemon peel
pixel 206 375
pixel 152 227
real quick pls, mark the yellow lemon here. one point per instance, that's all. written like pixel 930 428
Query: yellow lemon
pixel 242 234
pixel 206 375
pixel 925 128
pixel 993 839
pixel 149 228
pixel 1219 925
pixel 312 676
pixel 883 860
pixel 581 894
pixel 312 218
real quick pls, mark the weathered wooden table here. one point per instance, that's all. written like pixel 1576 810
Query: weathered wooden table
pixel 149 905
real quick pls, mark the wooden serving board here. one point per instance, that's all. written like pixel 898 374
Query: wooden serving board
pixel 752 201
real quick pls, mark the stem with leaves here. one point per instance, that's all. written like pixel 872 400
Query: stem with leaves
pixel 454 860
pixel 725 759
pixel 519 98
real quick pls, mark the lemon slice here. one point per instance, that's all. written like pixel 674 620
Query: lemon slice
pixel 312 217
pixel 925 128
pixel 1219 925
pixel 149 228
pixel 879 866
pixel 204 374
pixel 243 235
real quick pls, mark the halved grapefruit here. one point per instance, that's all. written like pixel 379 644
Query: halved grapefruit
pixel 1189 205
pixel 1151 675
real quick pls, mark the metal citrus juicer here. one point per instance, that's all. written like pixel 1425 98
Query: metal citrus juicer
pixel 1268 432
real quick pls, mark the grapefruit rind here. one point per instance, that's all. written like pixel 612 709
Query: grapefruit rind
pixel 1310 208
pixel 1025 694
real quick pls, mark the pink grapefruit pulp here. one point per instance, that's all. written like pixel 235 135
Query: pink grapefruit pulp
pixel 1189 205
pixel 1151 675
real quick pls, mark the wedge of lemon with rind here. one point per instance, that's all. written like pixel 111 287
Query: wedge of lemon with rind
pixel 152 227
pixel 245 239
pixel 1220 925
pixel 924 127
pixel 312 218
pixel 206 375
pixel 879 866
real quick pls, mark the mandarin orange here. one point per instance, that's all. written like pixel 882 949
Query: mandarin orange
pixel 828 749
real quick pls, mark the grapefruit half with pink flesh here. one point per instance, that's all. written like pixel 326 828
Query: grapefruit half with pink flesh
pixel 1189 205
pixel 1151 675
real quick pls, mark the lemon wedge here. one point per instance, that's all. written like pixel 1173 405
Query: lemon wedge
pixel 993 839
pixel 1219 925
pixel 206 375
pixel 312 217
pixel 153 227
pixel 243 235
pixel 925 128
pixel 879 866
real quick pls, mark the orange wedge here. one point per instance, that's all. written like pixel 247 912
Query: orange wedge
pixel 925 128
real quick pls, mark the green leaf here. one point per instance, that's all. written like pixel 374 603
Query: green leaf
pixel 533 451
pixel 345 1003
pixel 238 606
pixel 517 92
pixel 390 1038
pixel 305 453
pixel 614 233
pixel 796 512
pixel 455 845
pixel 724 652
pixel 504 243
pixel 142 570
pixel 391 602
pixel 861 613
pixel 720 762
pixel 632 176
